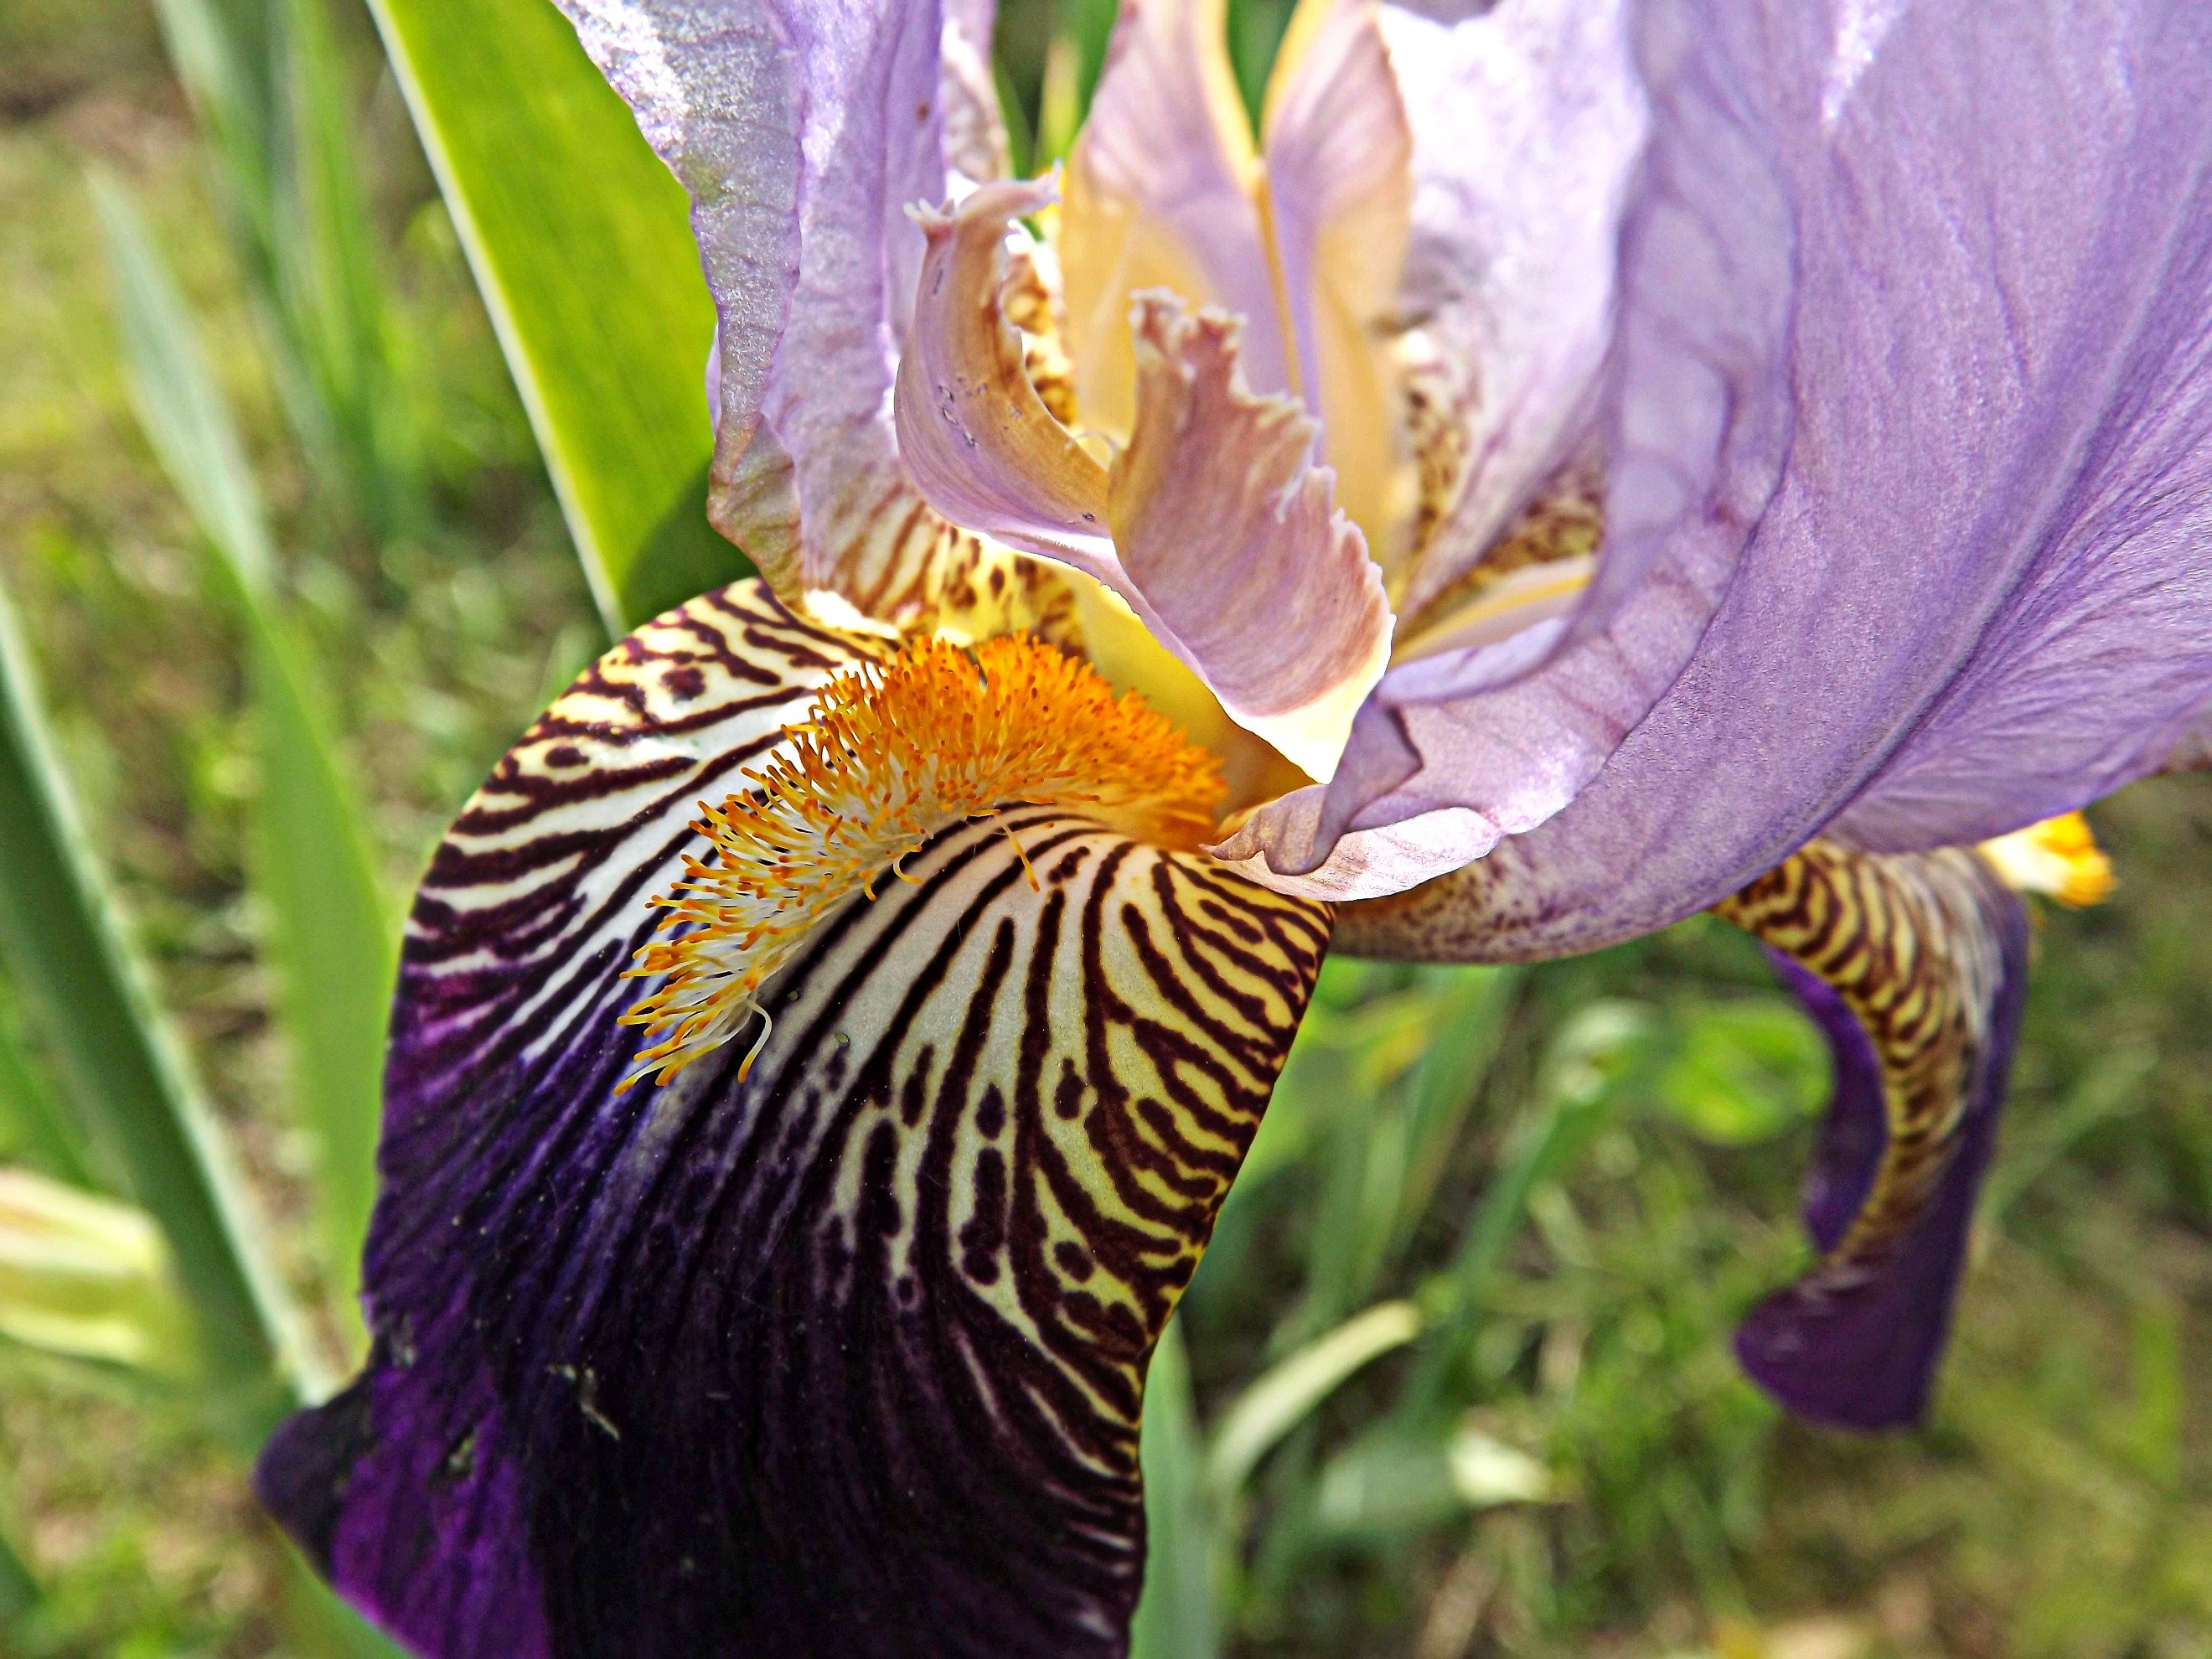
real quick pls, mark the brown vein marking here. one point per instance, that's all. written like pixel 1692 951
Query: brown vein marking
pixel 1896 939
pixel 1161 1144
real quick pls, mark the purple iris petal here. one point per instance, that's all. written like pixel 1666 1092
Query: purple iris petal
pixel 1979 595
pixel 836 1347
pixel 1862 1351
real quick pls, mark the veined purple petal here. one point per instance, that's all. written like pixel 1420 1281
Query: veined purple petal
pixel 840 1354
pixel 1480 742
pixel 1916 967
pixel 1979 597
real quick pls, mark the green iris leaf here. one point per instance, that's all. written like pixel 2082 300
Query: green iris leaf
pixel 68 951
pixel 580 245
pixel 330 927
pixel 1744 1071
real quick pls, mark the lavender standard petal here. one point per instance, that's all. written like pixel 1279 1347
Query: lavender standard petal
pixel 1979 597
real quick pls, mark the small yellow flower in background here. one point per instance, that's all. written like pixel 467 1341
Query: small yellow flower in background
pixel 2058 857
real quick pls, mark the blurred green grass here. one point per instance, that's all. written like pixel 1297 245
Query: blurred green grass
pixel 1572 1467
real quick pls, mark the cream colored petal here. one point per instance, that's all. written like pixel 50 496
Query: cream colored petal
pixel 1339 195
pixel 1159 195
pixel 1230 531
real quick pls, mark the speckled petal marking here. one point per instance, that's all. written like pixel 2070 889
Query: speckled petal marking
pixel 1915 965
pixel 843 1358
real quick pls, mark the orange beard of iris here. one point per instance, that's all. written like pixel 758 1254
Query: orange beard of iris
pixel 886 757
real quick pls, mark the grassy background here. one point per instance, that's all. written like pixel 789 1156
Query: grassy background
pixel 2060 1501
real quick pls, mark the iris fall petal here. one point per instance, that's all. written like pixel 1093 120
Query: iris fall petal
pixel 839 1352
pixel 1915 965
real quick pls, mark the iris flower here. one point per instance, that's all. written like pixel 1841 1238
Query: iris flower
pixel 1582 463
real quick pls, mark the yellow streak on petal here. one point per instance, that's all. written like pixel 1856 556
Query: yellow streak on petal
pixel 1333 110
pixel 2058 857
pixel 1298 37
pixel 1519 600
pixel 888 756
pixel 1112 245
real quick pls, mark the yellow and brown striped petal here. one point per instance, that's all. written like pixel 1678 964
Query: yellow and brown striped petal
pixel 1915 966
pixel 841 1353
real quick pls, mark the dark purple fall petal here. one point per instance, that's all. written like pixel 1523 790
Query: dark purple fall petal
pixel 1915 966
pixel 843 1357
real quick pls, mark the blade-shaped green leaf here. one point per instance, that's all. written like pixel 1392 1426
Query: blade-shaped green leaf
pixel 581 246
pixel 328 281
pixel 1176 1617
pixel 1469 1026
pixel 178 403
pixel 70 961
pixel 217 67
pixel 330 935
pixel 1288 1393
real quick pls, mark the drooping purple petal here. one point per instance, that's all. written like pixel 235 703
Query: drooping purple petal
pixel 1916 966
pixel 839 1355
pixel 1978 599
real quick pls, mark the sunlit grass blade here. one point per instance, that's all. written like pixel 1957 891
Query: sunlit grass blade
pixel 1288 1393
pixel 330 934
pixel 67 948
pixel 579 243
pixel 1463 1044
pixel 1177 1617
pixel 1573 1099
pixel 1393 1481
pixel 178 403
pixel 89 1278
pixel 219 72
